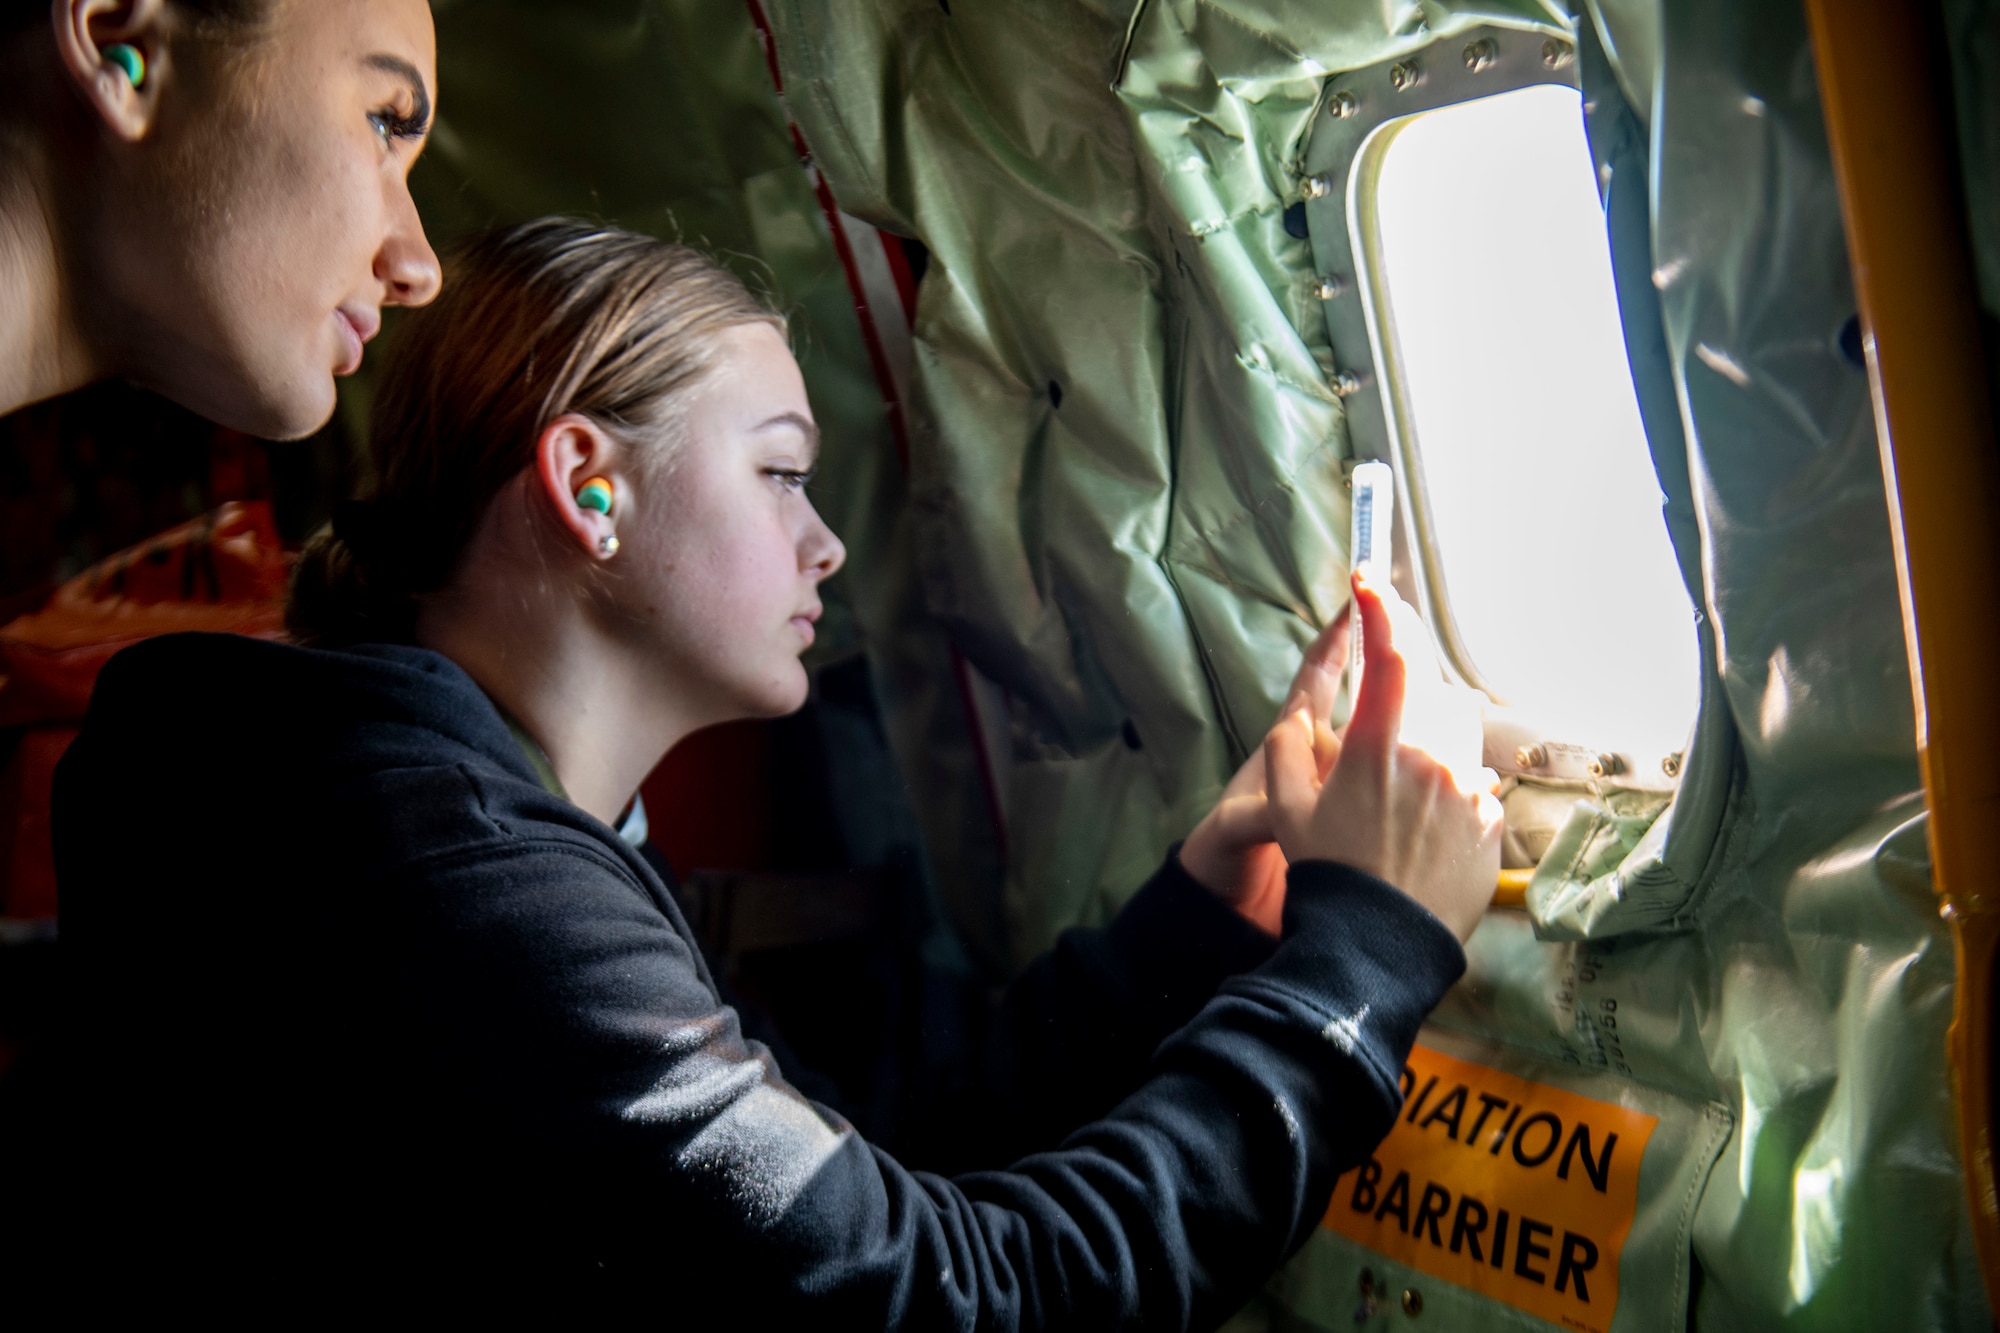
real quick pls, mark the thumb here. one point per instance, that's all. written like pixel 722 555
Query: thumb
pixel 1243 821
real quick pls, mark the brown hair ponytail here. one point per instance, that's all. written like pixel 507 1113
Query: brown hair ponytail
pixel 535 321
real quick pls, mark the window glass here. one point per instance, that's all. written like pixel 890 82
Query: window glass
pixel 1543 509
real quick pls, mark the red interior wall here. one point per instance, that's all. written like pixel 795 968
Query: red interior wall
pixel 710 804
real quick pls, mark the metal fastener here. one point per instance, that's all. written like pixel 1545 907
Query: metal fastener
pixel 1405 75
pixel 1606 766
pixel 1413 1302
pixel 1481 54
pixel 1556 53
pixel 1671 765
pixel 1366 1310
pixel 1531 756
pixel 1329 286
pixel 1342 105
pixel 1316 187
pixel 1346 384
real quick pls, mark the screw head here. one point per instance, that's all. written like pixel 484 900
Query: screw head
pixel 1606 766
pixel 1556 53
pixel 1671 765
pixel 1405 75
pixel 1413 1302
pixel 1481 54
pixel 1531 756
pixel 1346 384
pixel 1315 187
pixel 1342 105
pixel 1329 287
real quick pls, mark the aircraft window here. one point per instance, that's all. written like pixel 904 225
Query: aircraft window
pixel 1535 501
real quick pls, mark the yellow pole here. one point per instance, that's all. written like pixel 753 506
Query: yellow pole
pixel 1884 85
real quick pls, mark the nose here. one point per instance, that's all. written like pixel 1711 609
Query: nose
pixel 821 553
pixel 406 266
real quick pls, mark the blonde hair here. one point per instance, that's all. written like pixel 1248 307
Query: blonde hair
pixel 536 321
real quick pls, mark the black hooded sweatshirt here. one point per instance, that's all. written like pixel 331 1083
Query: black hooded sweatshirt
pixel 363 1014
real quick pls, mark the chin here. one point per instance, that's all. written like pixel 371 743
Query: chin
pixel 783 696
pixel 292 408
pixel 295 417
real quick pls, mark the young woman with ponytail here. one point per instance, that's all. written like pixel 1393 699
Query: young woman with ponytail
pixel 379 1006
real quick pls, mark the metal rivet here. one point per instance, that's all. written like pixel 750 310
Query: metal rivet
pixel 1671 765
pixel 1480 54
pixel 1346 384
pixel 1329 287
pixel 1405 75
pixel 1315 187
pixel 1413 1302
pixel 1556 53
pixel 1531 756
pixel 1366 1310
pixel 1342 105
pixel 1606 766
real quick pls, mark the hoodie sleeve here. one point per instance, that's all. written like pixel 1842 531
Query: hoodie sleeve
pixel 562 1021
pixel 1073 1033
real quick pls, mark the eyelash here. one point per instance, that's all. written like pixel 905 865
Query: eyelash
pixel 791 478
pixel 392 124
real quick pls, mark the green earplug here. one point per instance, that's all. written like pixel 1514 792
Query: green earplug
pixel 127 57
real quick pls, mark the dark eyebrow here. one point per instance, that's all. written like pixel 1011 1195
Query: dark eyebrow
pixel 403 69
pixel 803 424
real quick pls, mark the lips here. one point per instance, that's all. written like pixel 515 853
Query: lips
pixel 803 622
pixel 356 328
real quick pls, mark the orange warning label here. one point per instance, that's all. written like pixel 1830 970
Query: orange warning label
pixel 1520 1191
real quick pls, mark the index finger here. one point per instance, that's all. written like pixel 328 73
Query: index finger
pixel 1378 712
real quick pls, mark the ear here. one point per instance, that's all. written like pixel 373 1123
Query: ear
pixel 572 450
pixel 85 28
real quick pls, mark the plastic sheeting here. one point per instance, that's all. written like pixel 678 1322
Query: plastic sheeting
pixel 1826 970
pixel 1129 512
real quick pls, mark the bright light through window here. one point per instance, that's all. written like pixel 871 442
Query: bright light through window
pixel 1543 502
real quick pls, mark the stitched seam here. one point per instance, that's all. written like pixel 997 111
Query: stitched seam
pixel 1724 1125
pixel 516 848
pixel 1283 47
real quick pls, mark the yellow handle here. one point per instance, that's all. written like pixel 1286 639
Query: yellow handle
pixel 1890 128
pixel 1513 891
